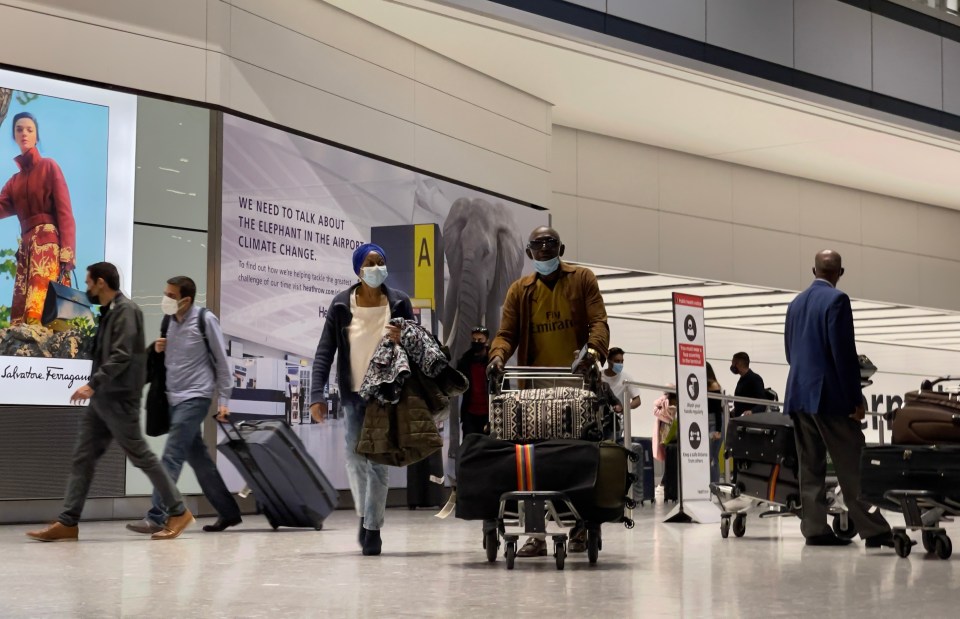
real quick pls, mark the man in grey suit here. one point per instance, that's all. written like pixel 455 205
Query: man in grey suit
pixel 114 392
pixel 826 405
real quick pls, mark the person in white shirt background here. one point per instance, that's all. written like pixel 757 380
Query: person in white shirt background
pixel 614 376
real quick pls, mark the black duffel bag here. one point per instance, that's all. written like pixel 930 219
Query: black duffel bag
pixel 488 467
pixel 157 404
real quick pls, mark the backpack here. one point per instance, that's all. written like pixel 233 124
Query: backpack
pixel 157 405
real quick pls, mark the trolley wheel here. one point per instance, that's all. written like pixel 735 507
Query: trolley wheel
pixel 725 527
pixel 491 544
pixel 318 526
pixel 593 546
pixel 943 546
pixel 902 544
pixel 511 554
pixel 848 532
pixel 929 541
pixel 740 525
pixel 560 553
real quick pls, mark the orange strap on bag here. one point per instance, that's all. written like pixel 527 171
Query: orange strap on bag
pixel 772 484
pixel 524 455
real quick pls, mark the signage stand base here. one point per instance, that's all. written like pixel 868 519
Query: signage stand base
pixel 701 512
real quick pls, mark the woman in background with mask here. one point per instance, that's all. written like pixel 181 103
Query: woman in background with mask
pixel 356 322
pixel 475 403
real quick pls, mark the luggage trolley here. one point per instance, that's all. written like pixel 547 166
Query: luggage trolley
pixel 535 510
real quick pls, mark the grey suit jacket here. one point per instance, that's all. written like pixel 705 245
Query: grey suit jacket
pixel 119 355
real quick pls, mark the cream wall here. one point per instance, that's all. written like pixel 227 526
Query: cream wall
pixel 303 64
pixel 636 206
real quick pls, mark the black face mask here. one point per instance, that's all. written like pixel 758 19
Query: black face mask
pixel 94 299
pixel 477 347
pixel 734 369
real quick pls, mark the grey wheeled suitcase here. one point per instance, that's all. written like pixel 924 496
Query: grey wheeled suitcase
pixel 290 488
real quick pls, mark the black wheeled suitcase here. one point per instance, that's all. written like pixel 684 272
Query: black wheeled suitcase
pixel 643 489
pixel 933 468
pixel 290 488
pixel 762 437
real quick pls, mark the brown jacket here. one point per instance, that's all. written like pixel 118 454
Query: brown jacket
pixel 586 304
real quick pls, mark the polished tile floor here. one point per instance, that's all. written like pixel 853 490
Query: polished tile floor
pixel 436 568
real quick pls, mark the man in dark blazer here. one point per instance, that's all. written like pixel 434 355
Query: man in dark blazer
pixel 825 402
pixel 114 392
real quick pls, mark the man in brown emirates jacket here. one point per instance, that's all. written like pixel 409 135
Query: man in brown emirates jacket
pixel 547 317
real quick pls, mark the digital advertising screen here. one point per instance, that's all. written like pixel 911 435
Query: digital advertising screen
pixel 67 161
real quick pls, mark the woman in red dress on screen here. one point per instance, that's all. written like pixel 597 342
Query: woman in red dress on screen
pixel 38 196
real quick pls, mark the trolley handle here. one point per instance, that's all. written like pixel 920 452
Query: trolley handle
pixel 495 382
pixel 928 385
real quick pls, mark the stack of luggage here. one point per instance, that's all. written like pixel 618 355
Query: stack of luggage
pixel 919 473
pixel 543 460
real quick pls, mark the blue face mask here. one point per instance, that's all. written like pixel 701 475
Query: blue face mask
pixel 617 368
pixel 546 267
pixel 374 276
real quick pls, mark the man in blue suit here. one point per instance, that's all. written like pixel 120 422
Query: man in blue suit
pixel 825 402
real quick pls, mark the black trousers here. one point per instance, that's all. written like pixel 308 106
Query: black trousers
pixel 841 436
pixel 108 418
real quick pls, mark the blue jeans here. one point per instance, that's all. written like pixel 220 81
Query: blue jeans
pixel 368 480
pixel 185 444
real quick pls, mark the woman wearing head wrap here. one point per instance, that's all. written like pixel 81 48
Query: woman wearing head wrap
pixel 356 322
pixel 38 196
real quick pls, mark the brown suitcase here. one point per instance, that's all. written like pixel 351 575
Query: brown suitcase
pixel 928 417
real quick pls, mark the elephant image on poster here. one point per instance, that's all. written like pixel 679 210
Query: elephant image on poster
pixel 484 252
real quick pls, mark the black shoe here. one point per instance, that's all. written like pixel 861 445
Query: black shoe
pixel 878 541
pixel 221 524
pixel 827 539
pixel 372 544
pixel 362 534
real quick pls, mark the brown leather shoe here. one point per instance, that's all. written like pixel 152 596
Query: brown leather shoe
pixel 175 526
pixel 533 548
pixel 56 532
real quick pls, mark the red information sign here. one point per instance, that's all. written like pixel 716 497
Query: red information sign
pixel 687 300
pixel 691 355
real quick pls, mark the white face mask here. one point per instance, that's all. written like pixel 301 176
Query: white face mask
pixel 169 306
pixel 374 276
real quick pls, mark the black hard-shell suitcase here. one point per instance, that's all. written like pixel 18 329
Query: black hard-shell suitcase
pixel 762 437
pixel 290 488
pixel 933 468
pixel 774 483
pixel 423 489
pixel 643 488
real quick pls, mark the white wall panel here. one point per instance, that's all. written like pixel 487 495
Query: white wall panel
pixel 610 233
pixel 758 28
pixel 563 160
pixel 310 62
pixel 834 40
pixel 938 229
pixel 694 185
pixel 617 170
pixel 781 223
pixel 907 63
pixel 564 219
pixel 766 200
pixel 765 257
pixel 462 120
pixel 891 276
pixel 890 223
pixel 478 89
pixel 696 247
pixel 829 211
